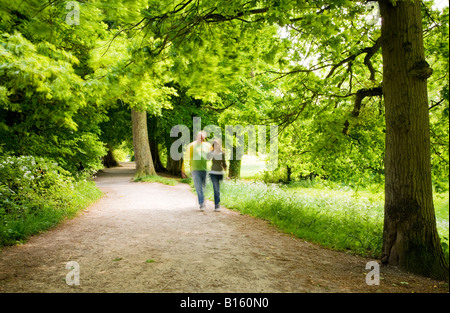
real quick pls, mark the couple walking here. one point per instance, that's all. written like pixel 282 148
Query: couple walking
pixel 198 153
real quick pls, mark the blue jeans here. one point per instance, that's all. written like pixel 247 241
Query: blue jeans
pixel 215 179
pixel 199 178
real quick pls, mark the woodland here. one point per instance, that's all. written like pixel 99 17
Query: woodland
pixel 358 89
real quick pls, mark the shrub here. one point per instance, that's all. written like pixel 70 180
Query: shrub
pixel 36 194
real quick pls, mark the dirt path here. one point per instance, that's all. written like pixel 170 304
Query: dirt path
pixel 149 237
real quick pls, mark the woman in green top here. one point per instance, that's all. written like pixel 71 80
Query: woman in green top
pixel 217 167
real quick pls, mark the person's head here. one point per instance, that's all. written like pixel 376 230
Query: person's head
pixel 217 145
pixel 201 136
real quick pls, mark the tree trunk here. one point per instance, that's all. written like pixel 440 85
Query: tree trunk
pixel 108 159
pixel 173 166
pixel 235 169
pixel 157 164
pixel 142 155
pixel 152 123
pixel 288 174
pixel 410 238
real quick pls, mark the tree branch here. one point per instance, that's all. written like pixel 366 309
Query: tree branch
pixel 218 109
pixel 360 95
pixel 436 104
pixel 370 53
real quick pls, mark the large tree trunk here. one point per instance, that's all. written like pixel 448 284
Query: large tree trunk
pixel 142 155
pixel 410 238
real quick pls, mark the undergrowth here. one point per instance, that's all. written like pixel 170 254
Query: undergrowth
pixel 36 194
pixel 156 179
pixel 338 218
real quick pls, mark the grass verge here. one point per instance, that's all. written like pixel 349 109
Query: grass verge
pixel 340 219
pixel 34 217
pixel 156 179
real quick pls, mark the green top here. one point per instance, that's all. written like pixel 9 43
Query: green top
pixel 197 154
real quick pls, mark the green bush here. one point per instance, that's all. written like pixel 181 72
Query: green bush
pixel 276 176
pixel 36 194
pixel 80 153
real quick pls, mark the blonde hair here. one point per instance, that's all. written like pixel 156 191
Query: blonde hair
pixel 217 142
pixel 201 135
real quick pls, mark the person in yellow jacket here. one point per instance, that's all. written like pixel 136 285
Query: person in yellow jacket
pixel 197 156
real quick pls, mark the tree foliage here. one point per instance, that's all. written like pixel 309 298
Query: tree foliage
pixel 314 68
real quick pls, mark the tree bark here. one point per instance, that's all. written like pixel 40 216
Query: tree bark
pixel 108 159
pixel 157 164
pixel 142 154
pixel 410 237
pixel 173 167
pixel 152 123
pixel 235 169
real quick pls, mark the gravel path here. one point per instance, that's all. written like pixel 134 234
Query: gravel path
pixel 149 237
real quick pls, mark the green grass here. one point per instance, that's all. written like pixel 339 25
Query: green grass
pixel 37 217
pixel 187 180
pixel 338 218
pixel 157 179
